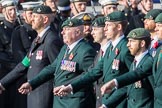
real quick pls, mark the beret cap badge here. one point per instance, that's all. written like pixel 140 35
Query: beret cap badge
pixel 38 10
pixel 134 35
pixel 70 23
pixel 95 24
pixel 107 18
pixel 151 18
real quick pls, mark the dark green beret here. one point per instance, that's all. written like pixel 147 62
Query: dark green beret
pixel 72 23
pixel 152 14
pixel 99 22
pixel 42 10
pixel 158 19
pixel 139 33
pixel 78 1
pixel 116 16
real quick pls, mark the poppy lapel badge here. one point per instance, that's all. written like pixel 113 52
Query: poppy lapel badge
pixel 71 56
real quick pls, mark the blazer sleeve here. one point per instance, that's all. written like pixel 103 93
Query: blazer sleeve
pixel 12 76
pixel 139 73
pixel 46 74
pixel 88 77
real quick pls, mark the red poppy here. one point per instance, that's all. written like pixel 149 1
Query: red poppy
pixel 155 45
pixel 71 56
pixel 116 51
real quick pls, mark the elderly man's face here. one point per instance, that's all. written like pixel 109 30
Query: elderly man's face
pixel 70 34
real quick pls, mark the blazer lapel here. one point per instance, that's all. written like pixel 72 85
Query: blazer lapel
pixel 74 52
pixel 36 45
pixel 155 71
pixel 131 68
pixel 159 69
pixel 61 57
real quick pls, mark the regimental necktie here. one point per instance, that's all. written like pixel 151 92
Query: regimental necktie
pixel 137 84
pixel 159 57
pixel 110 49
pixel 134 64
pixel 37 40
pixel 66 52
pixel 100 56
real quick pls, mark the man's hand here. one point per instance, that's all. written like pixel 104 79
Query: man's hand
pixel 25 88
pixel 62 90
pixel 108 87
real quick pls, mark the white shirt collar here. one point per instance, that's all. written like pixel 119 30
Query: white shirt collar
pixel 104 47
pixel 74 44
pixel 139 57
pixel 42 32
pixel 114 43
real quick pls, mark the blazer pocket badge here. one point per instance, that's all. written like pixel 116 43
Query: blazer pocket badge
pixel 115 64
pixel 138 84
pixel 39 55
pixel 68 66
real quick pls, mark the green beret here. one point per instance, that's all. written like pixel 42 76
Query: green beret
pixel 99 22
pixel 72 22
pixel 78 1
pixel 139 33
pixel 152 14
pixel 42 10
pixel 158 19
pixel 116 16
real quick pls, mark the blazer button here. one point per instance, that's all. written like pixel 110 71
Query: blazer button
pixel 30 67
pixel 66 76
pixel 98 97
pixel 133 100
pixel 127 97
